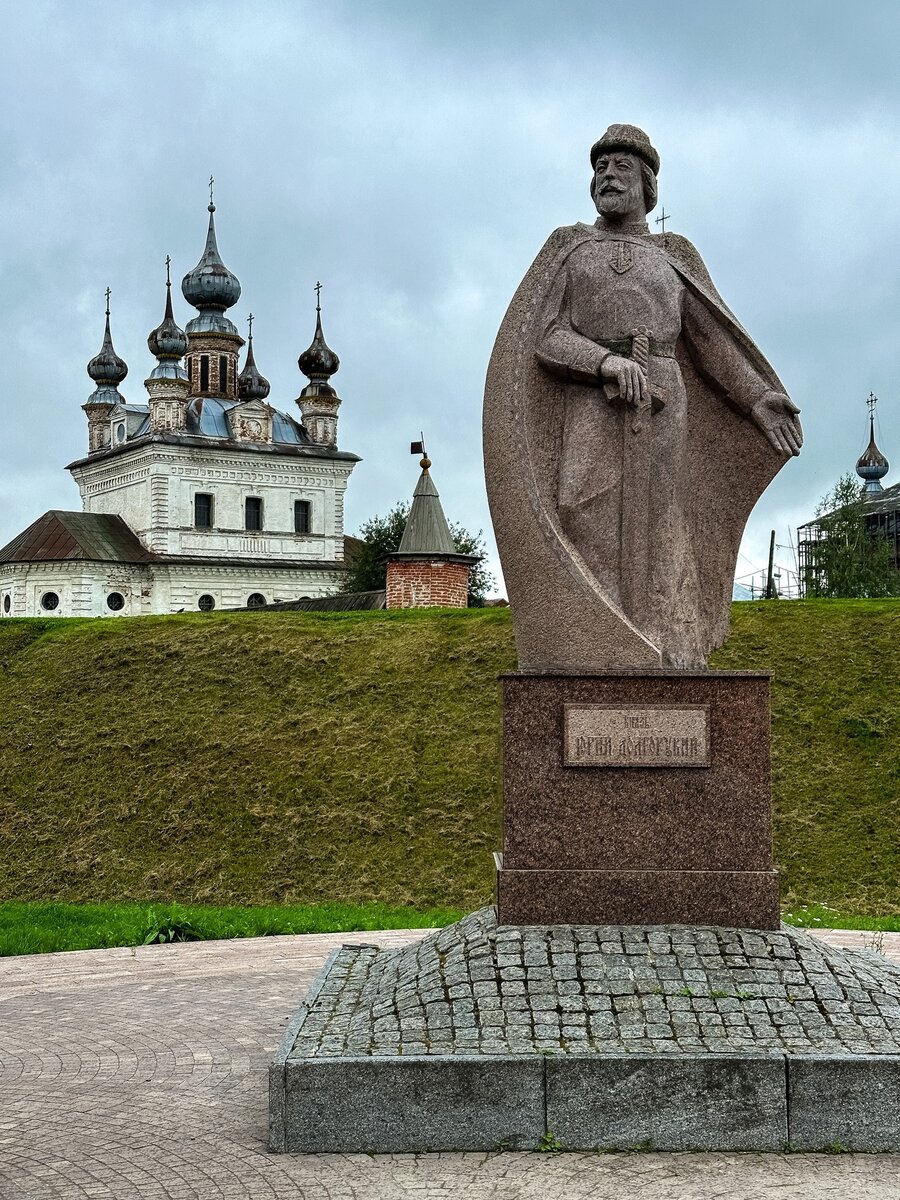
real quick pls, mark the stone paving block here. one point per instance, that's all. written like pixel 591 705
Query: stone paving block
pixel 844 1102
pixel 689 1102
pixel 401 1105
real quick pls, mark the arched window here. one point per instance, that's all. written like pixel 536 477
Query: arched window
pixel 223 373
pixel 204 372
pixel 256 600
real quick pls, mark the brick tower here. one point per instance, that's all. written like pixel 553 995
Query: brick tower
pixel 427 571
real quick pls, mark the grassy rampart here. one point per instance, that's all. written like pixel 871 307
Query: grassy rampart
pixel 309 757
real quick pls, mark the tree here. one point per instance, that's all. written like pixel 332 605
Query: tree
pixel 845 558
pixel 380 536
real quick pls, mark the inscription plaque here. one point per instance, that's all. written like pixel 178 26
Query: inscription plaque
pixel 607 735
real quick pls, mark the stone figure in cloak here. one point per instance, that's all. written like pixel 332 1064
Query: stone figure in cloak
pixel 630 426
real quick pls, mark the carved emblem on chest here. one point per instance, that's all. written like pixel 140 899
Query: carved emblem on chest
pixel 621 257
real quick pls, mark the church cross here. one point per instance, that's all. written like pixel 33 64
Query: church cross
pixel 318 296
pixel 107 301
pixel 211 182
pixel 663 217
pixel 168 273
pixel 871 402
pixel 250 323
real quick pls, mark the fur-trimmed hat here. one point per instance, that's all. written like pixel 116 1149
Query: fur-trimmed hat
pixel 626 137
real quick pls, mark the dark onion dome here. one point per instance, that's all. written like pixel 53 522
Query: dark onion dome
pixel 106 368
pixel 319 362
pixel 211 288
pixel 252 385
pixel 168 342
pixel 872 465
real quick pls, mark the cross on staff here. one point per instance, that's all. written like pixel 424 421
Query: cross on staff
pixel 211 182
pixel 168 274
pixel 250 323
pixel 663 217
pixel 871 402
pixel 107 301
pixel 318 296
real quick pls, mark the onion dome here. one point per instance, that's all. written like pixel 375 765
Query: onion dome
pixel 872 465
pixel 251 385
pixel 318 362
pixel 106 368
pixel 168 343
pixel 211 287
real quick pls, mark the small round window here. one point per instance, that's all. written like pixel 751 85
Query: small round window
pixel 120 432
pixel 257 600
pixel 115 601
pixel 206 603
pixel 49 601
pixel 7 604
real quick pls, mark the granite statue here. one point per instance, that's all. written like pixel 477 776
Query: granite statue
pixel 630 425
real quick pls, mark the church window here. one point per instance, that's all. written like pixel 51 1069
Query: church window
pixel 7 603
pixel 120 431
pixel 302 511
pixel 49 601
pixel 206 603
pixel 115 601
pixel 204 372
pixel 203 511
pixel 256 600
pixel 223 374
pixel 253 513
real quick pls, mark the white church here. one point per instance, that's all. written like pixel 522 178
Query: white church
pixel 205 496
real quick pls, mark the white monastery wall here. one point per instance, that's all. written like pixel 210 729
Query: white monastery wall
pixel 83 588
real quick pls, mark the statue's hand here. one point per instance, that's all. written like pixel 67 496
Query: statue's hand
pixel 776 415
pixel 631 380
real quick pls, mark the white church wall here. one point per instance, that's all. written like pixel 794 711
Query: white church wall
pixel 94 589
pixel 154 488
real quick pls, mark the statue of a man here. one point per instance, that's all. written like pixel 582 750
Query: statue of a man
pixel 645 424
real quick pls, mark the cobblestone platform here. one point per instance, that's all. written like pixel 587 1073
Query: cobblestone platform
pixel 605 1019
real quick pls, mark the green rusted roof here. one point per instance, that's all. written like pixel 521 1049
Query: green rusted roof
pixel 427 531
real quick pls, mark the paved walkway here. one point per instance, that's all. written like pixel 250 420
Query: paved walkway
pixel 140 1075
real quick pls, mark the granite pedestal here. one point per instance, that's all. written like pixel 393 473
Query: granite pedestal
pixel 481 1037
pixel 637 798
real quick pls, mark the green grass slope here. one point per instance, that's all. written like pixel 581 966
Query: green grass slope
pixel 308 757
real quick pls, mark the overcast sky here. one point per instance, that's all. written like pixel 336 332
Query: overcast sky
pixel 414 157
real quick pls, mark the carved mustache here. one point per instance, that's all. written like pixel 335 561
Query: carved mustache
pixel 611 187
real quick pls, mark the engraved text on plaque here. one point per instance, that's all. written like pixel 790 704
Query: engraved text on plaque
pixel 606 735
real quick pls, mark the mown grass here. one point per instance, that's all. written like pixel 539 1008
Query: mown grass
pixel 39 928
pixel 314 758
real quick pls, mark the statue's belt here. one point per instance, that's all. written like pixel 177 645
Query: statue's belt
pixel 623 347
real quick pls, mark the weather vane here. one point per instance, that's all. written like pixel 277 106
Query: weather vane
pixel 663 217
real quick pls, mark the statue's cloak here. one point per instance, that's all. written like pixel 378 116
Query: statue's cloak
pixel 563 618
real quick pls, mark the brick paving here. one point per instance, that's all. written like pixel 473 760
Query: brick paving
pixel 141 1075
pixel 474 988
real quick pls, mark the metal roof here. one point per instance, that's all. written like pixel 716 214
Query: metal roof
pixel 347 602
pixel 427 531
pixel 886 501
pixel 63 536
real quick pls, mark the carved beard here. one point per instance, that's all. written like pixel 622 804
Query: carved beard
pixel 616 205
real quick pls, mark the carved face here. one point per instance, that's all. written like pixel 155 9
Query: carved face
pixel 618 188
